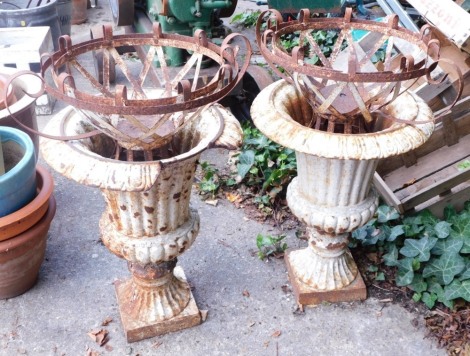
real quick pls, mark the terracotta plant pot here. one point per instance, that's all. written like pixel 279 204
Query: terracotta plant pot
pixel 18 183
pixel 79 11
pixel 21 256
pixel 21 220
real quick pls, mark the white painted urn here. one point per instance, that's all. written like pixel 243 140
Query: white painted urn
pixel 332 194
pixel 148 220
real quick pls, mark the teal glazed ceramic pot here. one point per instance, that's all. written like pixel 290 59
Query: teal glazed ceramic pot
pixel 18 183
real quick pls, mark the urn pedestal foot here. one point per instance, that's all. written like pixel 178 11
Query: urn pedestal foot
pixel 307 295
pixel 137 329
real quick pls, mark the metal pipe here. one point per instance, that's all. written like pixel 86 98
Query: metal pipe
pixel 215 4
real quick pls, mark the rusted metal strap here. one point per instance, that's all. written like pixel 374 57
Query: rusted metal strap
pixel 10 81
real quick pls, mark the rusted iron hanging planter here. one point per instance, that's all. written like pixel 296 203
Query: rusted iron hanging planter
pixel 139 141
pixel 341 115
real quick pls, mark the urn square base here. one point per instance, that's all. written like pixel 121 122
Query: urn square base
pixel 137 330
pixel 306 295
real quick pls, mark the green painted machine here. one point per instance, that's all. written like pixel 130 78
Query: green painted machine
pixel 175 16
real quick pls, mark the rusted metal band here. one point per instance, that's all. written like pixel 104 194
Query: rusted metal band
pixel 10 81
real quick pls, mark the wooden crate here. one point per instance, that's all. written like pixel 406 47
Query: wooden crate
pixel 449 17
pixel 430 177
pixel 22 47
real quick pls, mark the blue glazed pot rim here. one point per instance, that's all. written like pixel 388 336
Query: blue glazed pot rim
pixel 22 139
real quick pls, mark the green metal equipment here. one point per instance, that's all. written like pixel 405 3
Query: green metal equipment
pixel 182 17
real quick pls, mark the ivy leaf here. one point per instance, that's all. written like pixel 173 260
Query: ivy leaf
pixel 466 245
pixel 445 268
pixel 458 289
pixel 391 258
pixel 418 284
pixel 386 213
pixel 466 273
pixel 466 205
pixel 447 245
pixel 436 288
pixel 405 272
pixel 442 229
pixel 429 299
pixel 449 212
pixel 413 227
pixel 395 232
pixel 461 228
pixel 380 276
pixel 246 159
pixel 427 218
pixel 359 234
pixel 418 248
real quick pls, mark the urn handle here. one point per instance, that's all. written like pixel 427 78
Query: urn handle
pixel 230 131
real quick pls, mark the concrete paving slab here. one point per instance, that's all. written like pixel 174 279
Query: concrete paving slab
pixel 250 309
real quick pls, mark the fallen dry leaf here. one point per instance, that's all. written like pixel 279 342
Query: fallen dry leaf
pixel 410 182
pixel 286 289
pixel 374 257
pixel 108 348
pixel 251 324
pixel 277 333
pixel 91 352
pixel 106 321
pixel 212 202
pixel 388 300
pixel 203 314
pixel 246 293
pixel 99 336
pixel 231 197
pixel 157 344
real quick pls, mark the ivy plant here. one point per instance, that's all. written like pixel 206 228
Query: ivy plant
pixel 432 256
pixel 210 181
pixel 246 19
pixel 270 246
pixel 264 165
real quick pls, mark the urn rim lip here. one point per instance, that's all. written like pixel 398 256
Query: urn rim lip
pixel 106 173
pixel 279 126
pixel 69 113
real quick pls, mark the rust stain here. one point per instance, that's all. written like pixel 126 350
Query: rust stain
pixel 335 246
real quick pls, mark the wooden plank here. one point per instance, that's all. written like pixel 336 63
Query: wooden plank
pixel 458 196
pixel 386 193
pixel 460 114
pixel 449 17
pixel 438 188
pixel 429 164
